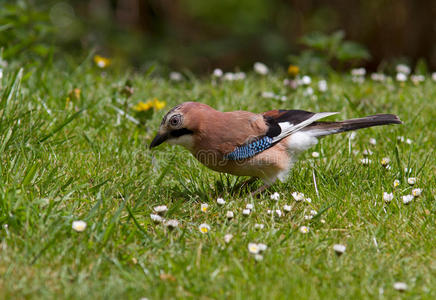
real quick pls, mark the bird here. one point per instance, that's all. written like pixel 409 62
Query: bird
pixel 259 145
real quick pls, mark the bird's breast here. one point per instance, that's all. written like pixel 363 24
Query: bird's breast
pixel 266 165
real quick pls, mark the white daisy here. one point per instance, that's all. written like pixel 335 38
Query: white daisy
pixel 358 72
pixel 249 206
pixel 156 218
pixel 229 215
pixel 308 91
pixel 258 257
pixel 365 161
pixel 404 69
pixel 322 221
pixel 260 68
pixel 411 180
pixel 407 199
pixel 204 228
pixel 275 196
pixel 229 76
pixel 304 229
pixel 416 192
pixel 287 208
pixel 79 226
pixel 315 154
pixel 227 238
pixel 253 248
pixel 339 249
pixel 204 207
pixel 313 212
pixel 160 209
pixel 378 76
pixel 385 161
pixel 387 197
pixel 372 141
pixel 220 201
pixel 172 223
pixel 400 138
pixel 322 86
pixel 279 212
pixel 416 79
pixel 308 217
pixel 217 73
pixel 259 226
pixel 308 200
pixel 305 80
pixel 400 286
pixel 246 212
pixel 262 247
pixel 401 77
pixel 298 196
pixel 176 76
pixel 409 141
pixel 239 76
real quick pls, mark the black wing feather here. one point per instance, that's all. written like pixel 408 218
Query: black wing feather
pixel 274 117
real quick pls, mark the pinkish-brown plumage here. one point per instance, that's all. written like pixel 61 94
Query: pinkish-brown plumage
pixel 210 135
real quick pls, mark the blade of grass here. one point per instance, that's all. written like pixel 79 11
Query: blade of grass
pixel 62 125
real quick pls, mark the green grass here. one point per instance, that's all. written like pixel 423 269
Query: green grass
pixel 88 162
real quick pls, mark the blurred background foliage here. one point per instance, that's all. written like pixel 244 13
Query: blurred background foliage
pixel 200 35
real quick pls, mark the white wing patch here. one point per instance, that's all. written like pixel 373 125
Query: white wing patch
pixel 285 125
pixel 288 128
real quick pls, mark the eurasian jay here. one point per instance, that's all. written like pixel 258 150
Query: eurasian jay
pixel 243 143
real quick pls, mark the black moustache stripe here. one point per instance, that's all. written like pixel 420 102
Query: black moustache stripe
pixel 180 132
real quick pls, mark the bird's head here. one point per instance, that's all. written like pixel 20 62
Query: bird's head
pixel 180 124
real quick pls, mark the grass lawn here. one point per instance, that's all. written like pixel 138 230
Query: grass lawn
pixel 84 159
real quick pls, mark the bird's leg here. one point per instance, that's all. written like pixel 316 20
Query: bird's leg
pixel 260 190
pixel 240 186
pixel 247 182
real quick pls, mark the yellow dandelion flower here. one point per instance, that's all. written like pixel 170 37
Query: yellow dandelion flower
pixel 158 105
pixel 141 106
pixel 155 103
pixel 293 70
pixel 102 62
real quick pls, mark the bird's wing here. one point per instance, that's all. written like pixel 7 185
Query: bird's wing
pixel 280 124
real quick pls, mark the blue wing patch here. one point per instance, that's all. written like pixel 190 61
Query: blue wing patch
pixel 250 150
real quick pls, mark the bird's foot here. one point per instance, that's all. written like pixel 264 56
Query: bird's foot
pixel 259 190
pixel 238 187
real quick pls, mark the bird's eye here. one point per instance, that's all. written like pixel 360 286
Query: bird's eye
pixel 175 120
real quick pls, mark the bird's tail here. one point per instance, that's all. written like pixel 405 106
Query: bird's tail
pixel 320 129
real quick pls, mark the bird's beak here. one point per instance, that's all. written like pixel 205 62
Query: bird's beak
pixel 158 139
